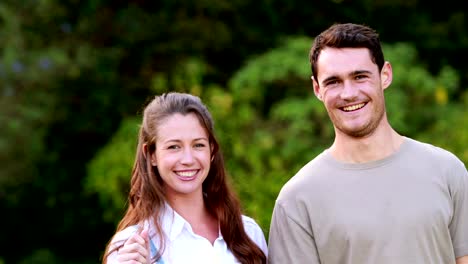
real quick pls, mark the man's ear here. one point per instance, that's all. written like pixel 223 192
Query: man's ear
pixel 316 88
pixel 386 75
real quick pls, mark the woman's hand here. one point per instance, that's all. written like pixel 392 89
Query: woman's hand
pixel 135 250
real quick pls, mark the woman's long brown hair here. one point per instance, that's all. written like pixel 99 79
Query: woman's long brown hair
pixel 147 200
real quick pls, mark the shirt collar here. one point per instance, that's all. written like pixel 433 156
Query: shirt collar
pixel 173 224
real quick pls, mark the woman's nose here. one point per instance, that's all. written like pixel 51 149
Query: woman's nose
pixel 187 156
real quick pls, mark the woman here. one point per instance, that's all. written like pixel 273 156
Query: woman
pixel 181 209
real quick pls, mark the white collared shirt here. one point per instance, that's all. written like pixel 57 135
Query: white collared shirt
pixel 184 246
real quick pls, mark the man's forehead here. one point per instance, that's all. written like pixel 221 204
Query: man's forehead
pixel 333 61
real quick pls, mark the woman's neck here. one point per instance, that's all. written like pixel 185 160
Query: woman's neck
pixel 194 211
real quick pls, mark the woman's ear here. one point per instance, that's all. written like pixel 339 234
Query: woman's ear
pixel 212 149
pixel 152 156
pixel 144 150
pixel 154 161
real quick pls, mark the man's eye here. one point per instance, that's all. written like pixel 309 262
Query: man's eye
pixel 358 77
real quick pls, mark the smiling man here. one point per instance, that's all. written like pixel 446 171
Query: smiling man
pixel 374 196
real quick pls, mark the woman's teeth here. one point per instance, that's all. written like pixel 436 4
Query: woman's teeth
pixel 186 173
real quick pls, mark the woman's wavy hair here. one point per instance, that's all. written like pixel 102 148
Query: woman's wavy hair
pixel 147 197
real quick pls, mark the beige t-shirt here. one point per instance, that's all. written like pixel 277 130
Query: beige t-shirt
pixel 411 207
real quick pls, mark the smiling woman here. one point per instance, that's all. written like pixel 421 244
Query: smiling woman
pixel 181 209
pixel 182 157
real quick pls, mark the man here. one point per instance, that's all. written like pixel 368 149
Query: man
pixel 374 196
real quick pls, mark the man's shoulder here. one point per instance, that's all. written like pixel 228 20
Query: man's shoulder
pixel 427 150
pixel 438 158
pixel 305 178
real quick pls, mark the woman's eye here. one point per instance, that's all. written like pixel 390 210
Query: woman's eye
pixel 173 147
pixel 199 145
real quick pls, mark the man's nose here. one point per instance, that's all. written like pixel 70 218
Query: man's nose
pixel 349 91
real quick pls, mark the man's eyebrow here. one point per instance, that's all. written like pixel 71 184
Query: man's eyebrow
pixel 354 73
pixel 331 78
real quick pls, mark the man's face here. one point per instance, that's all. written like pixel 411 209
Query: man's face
pixel 351 88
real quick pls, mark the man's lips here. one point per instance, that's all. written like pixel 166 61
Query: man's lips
pixel 355 107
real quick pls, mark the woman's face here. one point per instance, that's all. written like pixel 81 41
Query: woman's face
pixel 183 155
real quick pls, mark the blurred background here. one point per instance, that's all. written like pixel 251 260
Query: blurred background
pixel 75 75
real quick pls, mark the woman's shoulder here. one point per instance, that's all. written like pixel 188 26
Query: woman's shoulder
pixel 249 223
pixel 255 232
pixel 124 234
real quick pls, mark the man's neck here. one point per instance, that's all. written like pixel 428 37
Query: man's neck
pixel 380 144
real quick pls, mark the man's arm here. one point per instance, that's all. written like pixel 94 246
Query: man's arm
pixel 288 241
pixel 459 223
pixel 462 260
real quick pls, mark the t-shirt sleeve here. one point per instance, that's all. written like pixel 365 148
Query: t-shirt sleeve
pixel 289 242
pixel 459 224
pixel 255 233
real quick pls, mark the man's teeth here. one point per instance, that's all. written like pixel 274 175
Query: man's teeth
pixel 186 173
pixel 353 107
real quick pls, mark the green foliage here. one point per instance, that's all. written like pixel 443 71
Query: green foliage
pixel 109 173
pixel 52 88
pixel 286 64
pixel 285 126
pixel 40 256
pixel 27 95
pixel 416 99
pixel 46 256
pixel 450 131
pixel 187 77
